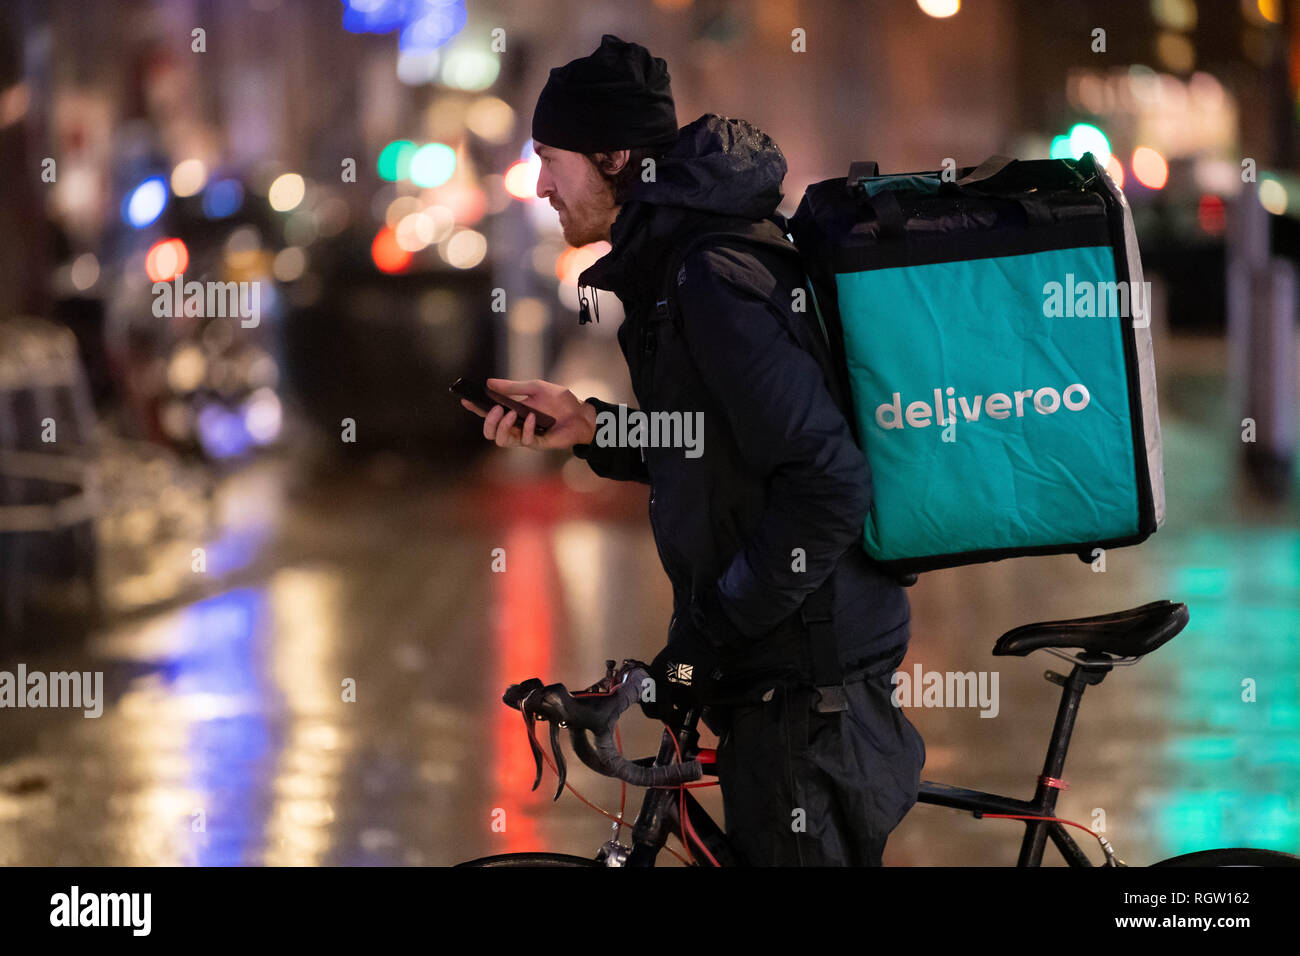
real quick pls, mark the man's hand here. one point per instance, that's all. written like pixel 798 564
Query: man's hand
pixel 575 421
pixel 684 674
pixel 702 642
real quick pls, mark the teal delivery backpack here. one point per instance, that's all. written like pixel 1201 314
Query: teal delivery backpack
pixel 990 329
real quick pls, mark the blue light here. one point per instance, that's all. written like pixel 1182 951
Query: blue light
pixel 222 198
pixel 440 22
pixel 374 16
pixel 432 165
pixel 222 433
pixel 145 203
pixel 426 25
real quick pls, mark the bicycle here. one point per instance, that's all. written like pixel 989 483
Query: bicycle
pixel 1100 643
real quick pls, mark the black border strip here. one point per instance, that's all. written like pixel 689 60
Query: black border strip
pixel 929 249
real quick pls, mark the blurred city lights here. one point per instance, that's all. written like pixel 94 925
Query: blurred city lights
pixel 289 263
pixel 417 67
pixel 490 118
pixel 388 256
pixel 414 232
pixel 1150 168
pixel 1270 10
pixel 189 177
pixel 243 249
pixel 1211 214
pixel 14 102
pixel 1061 148
pixel 1086 138
pixel 221 432
pixel 1217 176
pixel 469 69
pixel 1272 195
pixel 400 208
pixel 262 416
pixel 166 259
pixel 286 192
pixel 84 272
pixel 432 165
pixel 222 198
pixel 187 369
pixel 439 22
pixel 395 160
pixel 373 16
pixel 465 249
pixel 443 221
pixel 521 178
pixel 145 203
pixel 573 261
pixel 939 8
pixel 1176 52
pixel 1115 169
pixel 465 200
pixel 1174 14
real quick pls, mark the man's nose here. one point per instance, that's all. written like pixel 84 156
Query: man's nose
pixel 544 185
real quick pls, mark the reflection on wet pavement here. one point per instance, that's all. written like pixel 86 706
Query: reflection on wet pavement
pixel 333 695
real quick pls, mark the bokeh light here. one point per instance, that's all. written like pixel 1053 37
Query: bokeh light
pixel 189 177
pixel 490 118
pixel 286 192
pixel 145 203
pixel 84 272
pixel 1150 168
pixel 395 160
pixel 521 178
pixel 1272 195
pixel 222 198
pixel 939 8
pixel 465 249
pixel 1211 214
pixel 1115 170
pixel 1086 138
pixel 432 165
pixel 388 256
pixel 471 70
pixel 166 259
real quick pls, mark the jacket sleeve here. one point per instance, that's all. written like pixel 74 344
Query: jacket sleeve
pixel 789 431
pixel 622 463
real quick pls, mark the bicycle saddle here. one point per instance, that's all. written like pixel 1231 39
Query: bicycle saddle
pixel 1130 633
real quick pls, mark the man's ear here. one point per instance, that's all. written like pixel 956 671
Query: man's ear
pixel 614 160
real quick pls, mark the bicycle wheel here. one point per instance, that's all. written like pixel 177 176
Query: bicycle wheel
pixel 530 859
pixel 1232 856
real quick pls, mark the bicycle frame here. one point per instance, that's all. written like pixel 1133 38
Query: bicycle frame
pixel 660 814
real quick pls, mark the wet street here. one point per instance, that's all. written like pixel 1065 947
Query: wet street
pixel 329 691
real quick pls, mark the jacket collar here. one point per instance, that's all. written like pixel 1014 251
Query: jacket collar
pixel 718 166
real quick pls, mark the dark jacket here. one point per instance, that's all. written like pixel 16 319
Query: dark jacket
pixel 780 470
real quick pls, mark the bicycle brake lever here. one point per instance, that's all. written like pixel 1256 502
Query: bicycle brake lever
pixel 532 742
pixel 559 757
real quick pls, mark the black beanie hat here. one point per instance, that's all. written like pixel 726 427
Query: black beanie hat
pixel 616 98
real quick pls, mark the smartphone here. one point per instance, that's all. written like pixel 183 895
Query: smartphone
pixel 477 392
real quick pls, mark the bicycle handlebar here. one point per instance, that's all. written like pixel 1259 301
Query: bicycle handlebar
pixel 597 711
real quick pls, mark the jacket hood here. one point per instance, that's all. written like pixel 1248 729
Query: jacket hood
pixel 720 166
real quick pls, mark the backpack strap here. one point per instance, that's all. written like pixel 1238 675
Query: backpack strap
pixel 777 238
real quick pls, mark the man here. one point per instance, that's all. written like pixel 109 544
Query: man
pixel 771 512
